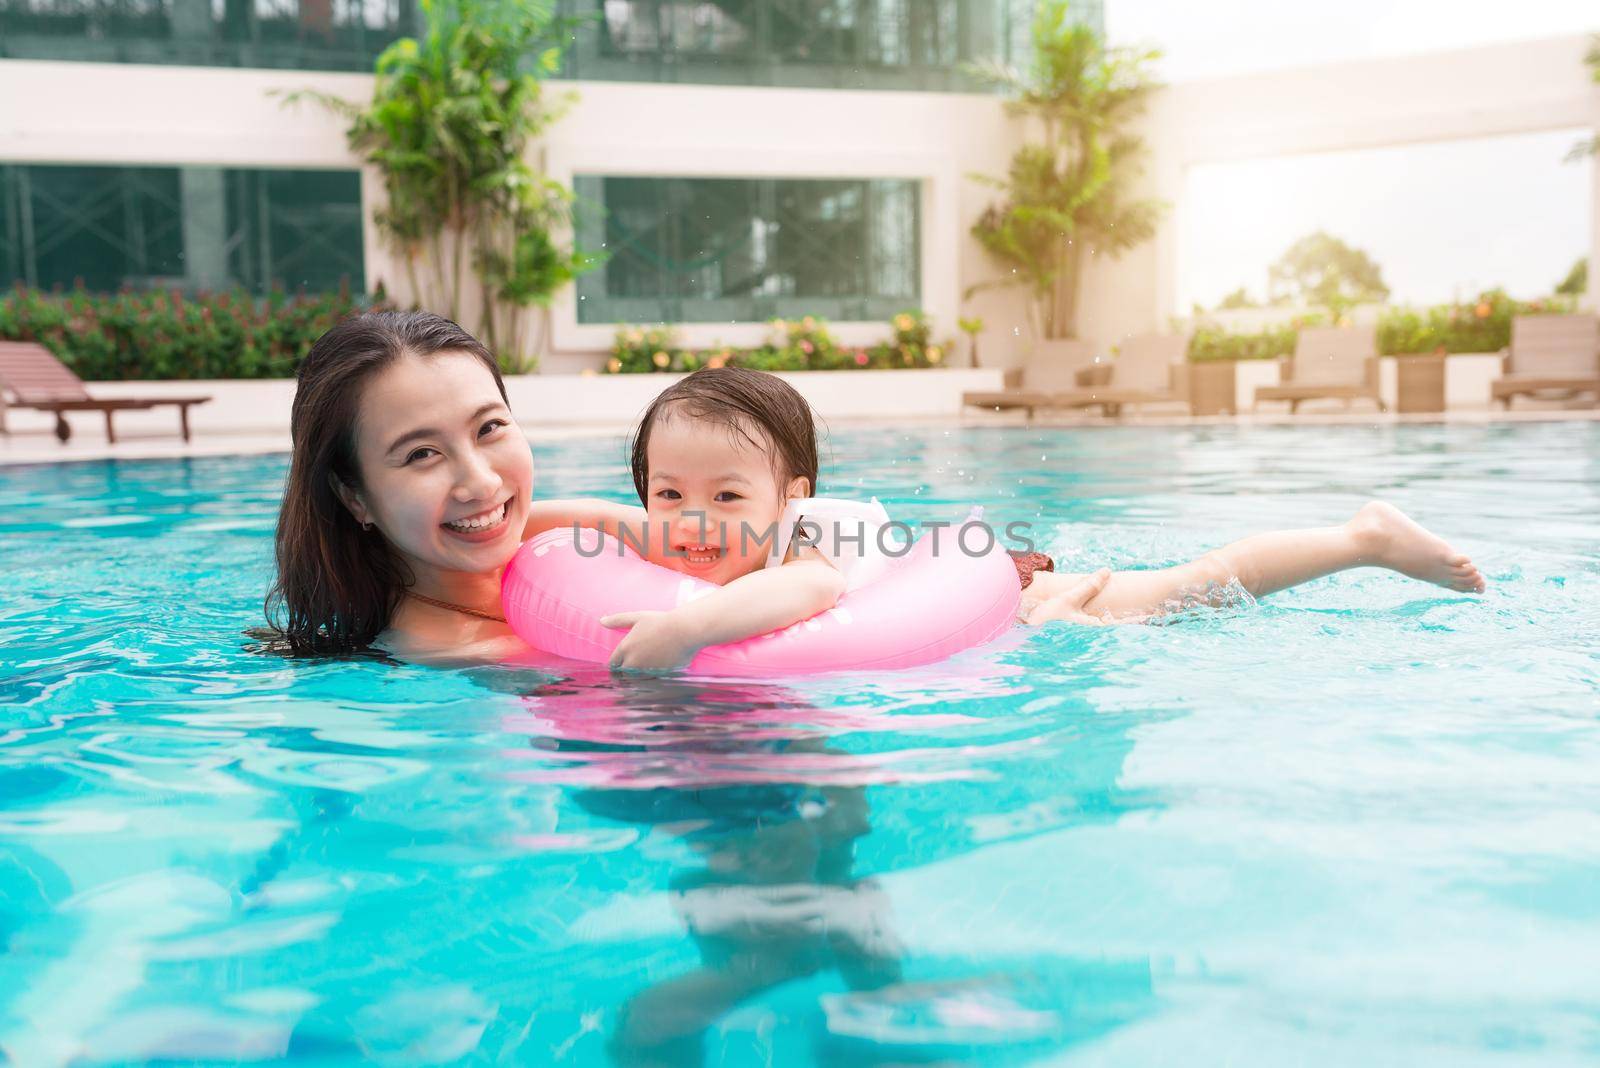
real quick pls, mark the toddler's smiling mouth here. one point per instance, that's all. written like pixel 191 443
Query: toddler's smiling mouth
pixel 698 555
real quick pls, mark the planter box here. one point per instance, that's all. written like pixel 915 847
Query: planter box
pixel 1419 383
pixel 1213 387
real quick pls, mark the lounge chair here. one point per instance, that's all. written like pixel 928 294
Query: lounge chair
pixel 1042 377
pixel 1336 362
pixel 1150 369
pixel 35 379
pixel 1550 353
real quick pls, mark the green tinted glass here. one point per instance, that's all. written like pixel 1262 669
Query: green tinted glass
pixel 851 44
pixel 295 34
pixel 859 44
pixel 190 227
pixel 748 250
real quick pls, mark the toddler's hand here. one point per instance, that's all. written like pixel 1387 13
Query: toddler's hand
pixel 1068 605
pixel 657 641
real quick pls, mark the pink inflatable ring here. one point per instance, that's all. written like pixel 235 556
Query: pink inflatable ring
pixel 934 601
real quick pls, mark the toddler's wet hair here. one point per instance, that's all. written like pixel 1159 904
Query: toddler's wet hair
pixel 751 405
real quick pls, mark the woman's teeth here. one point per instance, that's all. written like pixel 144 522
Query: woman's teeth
pixel 480 522
pixel 701 554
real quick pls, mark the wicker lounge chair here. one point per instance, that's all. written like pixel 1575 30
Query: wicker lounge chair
pixel 1042 378
pixel 34 378
pixel 1336 362
pixel 1557 354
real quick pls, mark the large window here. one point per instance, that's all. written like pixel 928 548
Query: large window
pixel 748 249
pixel 855 44
pixel 190 227
pixel 859 44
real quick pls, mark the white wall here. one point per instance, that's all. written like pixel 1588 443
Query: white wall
pixel 130 114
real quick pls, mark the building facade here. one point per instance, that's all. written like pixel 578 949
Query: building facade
pixel 738 159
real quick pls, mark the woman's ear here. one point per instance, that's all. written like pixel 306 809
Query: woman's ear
pixel 799 488
pixel 351 500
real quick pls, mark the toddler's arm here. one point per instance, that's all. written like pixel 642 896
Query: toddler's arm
pixel 759 602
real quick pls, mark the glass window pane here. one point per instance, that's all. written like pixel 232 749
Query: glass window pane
pixel 189 228
pixel 748 249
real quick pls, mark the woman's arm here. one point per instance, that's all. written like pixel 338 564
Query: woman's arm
pixel 591 512
pixel 759 602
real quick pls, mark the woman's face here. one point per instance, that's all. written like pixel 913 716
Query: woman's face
pixel 446 472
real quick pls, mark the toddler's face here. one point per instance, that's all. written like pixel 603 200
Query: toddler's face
pixel 713 499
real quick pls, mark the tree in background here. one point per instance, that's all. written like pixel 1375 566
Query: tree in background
pixel 1066 197
pixel 1239 298
pixel 1576 283
pixel 452 116
pixel 1319 269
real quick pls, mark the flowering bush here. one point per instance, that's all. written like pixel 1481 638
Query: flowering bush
pixel 166 335
pixel 1482 325
pixel 643 349
pixel 911 345
pixel 1479 325
pixel 795 345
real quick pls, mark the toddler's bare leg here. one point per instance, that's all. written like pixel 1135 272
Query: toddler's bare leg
pixel 1379 535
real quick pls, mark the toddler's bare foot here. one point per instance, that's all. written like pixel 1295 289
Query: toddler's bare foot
pixel 1394 540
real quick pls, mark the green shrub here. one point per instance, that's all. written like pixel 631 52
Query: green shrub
pixel 1211 342
pixel 165 335
pixel 795 345
pixel 643 349
pixel 1484 325
pixel 1481 325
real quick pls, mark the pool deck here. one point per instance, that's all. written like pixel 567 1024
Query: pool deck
pixel 40 446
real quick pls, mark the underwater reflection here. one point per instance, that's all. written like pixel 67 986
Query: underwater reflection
pixel 757 784
pixel 740 773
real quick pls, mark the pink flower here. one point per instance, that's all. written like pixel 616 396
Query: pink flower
pixel 861 358
pixel 807 348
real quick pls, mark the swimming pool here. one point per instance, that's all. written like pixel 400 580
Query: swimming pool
pixel 1356 823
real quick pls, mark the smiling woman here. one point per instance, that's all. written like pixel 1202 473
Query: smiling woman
pixel 407 493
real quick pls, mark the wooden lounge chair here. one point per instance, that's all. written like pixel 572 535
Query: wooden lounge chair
pixel 35 379
pixel 1042 378
pixel 1337 362
pixel 1550 354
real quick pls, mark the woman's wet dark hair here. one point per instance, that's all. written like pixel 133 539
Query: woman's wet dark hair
pixel 742 401
pixel 338 585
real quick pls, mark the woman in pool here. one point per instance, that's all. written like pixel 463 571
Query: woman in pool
pixel 410 488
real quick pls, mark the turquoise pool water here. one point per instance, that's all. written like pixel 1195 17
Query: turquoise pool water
pixel 1356 823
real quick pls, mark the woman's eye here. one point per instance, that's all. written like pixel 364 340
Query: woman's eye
pixel 727 495
pixel 491 426
pixel 419 453
pixel 668 495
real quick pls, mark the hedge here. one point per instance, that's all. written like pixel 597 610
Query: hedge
pixel 1482 325
pixel 795 345
pixel 161 334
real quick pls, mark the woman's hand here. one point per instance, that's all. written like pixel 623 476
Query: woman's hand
pixel 1068 605
pixel 656 641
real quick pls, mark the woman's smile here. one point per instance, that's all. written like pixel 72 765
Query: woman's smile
pixel 486 525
